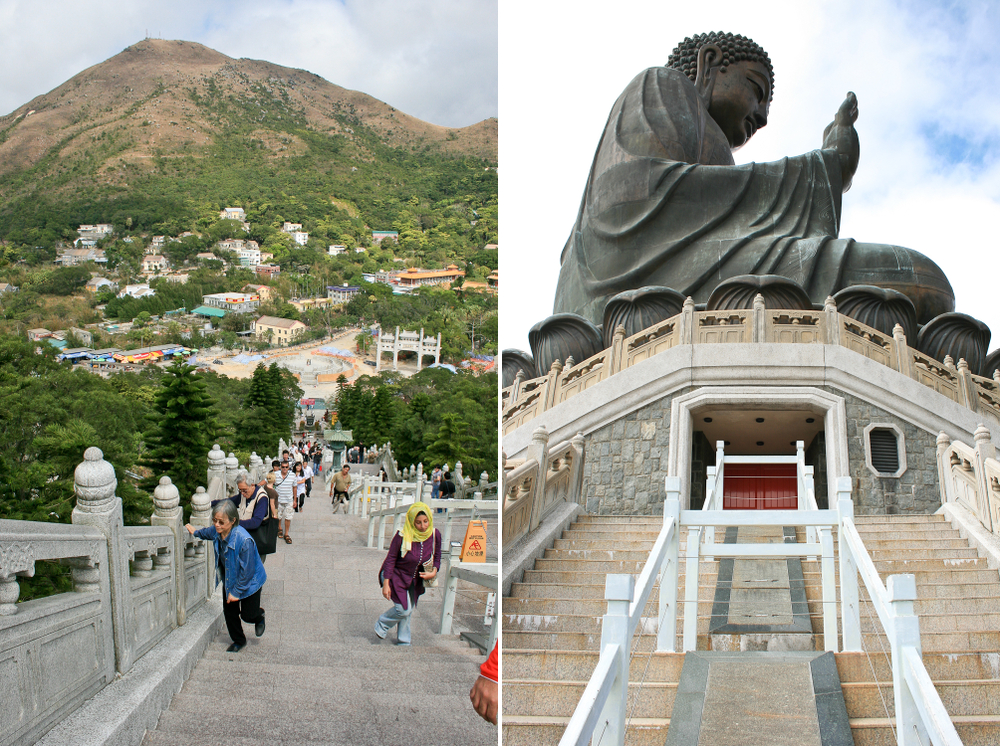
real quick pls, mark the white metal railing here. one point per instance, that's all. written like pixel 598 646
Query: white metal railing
pixel 600 716
pixel 484 574
pixel 394 508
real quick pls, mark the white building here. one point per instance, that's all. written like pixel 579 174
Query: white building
pixel 335 250
pixel 233 213
pixel 249 257
pixel 300 237
pixel 154 263
pixel 343 294
pixel 232 302
pixel 137 291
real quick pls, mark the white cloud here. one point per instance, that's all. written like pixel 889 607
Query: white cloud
pixel 432 59
pixel 917 69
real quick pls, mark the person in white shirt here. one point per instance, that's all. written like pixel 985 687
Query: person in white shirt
pixel 286 485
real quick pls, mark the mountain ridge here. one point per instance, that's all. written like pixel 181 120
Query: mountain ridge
pixel 126 86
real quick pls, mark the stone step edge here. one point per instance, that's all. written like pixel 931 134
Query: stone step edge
pixel 563 720
pixel 891 722
pixel 568 682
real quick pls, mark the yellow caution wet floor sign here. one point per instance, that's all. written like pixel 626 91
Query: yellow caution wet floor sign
pixel 474 546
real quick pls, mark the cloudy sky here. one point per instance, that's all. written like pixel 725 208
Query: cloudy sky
pixel 433 59
pixel 924 73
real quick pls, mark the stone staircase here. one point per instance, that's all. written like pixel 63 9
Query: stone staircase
pixel 552 630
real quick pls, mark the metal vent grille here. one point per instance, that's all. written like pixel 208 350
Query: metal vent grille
pixel 885 450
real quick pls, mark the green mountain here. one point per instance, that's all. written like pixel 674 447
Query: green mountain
pixel 162 136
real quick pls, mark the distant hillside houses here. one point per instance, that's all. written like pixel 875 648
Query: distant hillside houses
pixel 6 287
pixel 266 292
pixel 206 255
pixel 414 278
pixel 237 244
pixel 249 257
pixel 232 302
pixel 267 270
pixel 73 257
pixel 137 291
pixel 95 231
pixel 277 330
pixel 154 263
pixel 336 250
pixel 233 213
pixel 97 284
pixel 298 235
pixel 379 236
pixel 338 294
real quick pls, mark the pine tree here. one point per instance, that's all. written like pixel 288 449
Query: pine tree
pixel 181 428
pixel 450 445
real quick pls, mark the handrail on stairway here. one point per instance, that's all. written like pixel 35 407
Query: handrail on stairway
pixel 919 712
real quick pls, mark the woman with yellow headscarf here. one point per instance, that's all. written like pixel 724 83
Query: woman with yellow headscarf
pixel 414 556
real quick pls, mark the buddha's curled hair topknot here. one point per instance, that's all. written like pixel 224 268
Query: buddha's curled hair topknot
pixel 735 48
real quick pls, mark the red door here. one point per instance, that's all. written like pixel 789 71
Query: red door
pixel 760 487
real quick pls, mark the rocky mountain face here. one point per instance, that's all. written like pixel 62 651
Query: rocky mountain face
pixel 162 108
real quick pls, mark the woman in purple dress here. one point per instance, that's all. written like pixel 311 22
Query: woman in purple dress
pixel 414 556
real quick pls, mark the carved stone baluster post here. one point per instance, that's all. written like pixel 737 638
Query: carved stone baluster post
pixel 167 512
pixel 538 450
pixel 687 322
pixel 832 318
pixel 459 480
pixel 257 469
pixel 201 517
pixel 484 479
pixel 216 464
pixel 904 360
pixel 967 386
pixel 984 450
pixel 759 332
pixel 97 506
pixel 15 560
pixel 944 467
pixel 232 466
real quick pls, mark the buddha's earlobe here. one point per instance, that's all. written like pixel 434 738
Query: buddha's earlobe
pixel 709 61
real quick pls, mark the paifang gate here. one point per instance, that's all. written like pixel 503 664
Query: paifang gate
pixel 760 487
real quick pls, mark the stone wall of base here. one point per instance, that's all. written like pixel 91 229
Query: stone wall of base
pixel 917 490
pixel 627 462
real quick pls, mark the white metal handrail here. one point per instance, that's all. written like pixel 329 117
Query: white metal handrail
pixel 484 574
pixel 919 712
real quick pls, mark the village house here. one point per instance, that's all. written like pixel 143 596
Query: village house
pixel 414 278
pixel 379 236
pixel 34 335
pixel 267 270
pixel 6 287
pixel 338 294
pixel 249 257
pixel 179 278
pixel 97 284
pixel 137 291
pixel 336 250
pixel 233 213
pixel 206 255
pixel 154 263
pixel 266 292
pixel 232 302
pixel 73 257
pixel 276 330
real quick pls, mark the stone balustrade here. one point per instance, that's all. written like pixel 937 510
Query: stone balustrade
pixel 970 476
pixel 132 586
pixel 524 400
pixel 546 477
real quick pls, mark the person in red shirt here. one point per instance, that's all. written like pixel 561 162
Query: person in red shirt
pixel 484 692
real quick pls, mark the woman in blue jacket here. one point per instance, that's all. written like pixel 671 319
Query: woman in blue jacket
pixel 239 569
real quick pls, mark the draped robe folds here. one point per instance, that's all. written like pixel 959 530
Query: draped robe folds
pixel 665 205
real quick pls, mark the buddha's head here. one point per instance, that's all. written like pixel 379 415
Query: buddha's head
pixel 734 77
